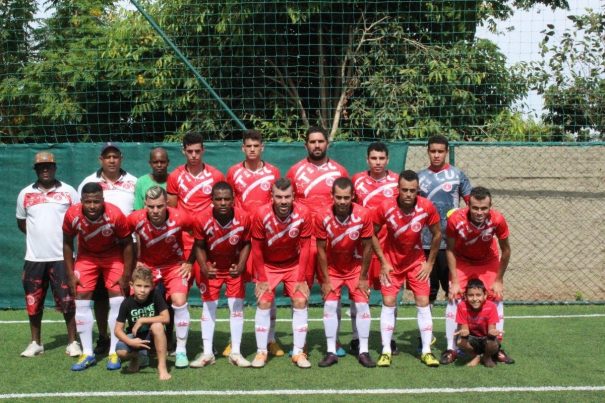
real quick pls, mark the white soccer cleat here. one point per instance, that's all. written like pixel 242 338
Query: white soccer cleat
pixel 202 360
pixel 33 350
pixel 259 360
pixel 239 361
pixel 73 349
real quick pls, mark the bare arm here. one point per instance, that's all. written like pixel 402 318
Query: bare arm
pixel 427 267
pixel 451 264
pixel 366 258
pixel 322 262
pixel 68 257
pixel 129 257
pixel 172 200
pixel 498 284
pixel 21 225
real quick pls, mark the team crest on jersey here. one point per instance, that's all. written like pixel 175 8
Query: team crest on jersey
pixel 387 192
pixel 486 237
pixel 416 227
pixel 447 186
pixel 354 235
pixel 107 232
pixel 234 240
pixel 329 181
pixel 170 239
pixel 202 288
pixel 31 300
pixel 293 233
pixel 265 186
pixel 207 189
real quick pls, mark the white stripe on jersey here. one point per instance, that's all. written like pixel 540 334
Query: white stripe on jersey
pixel 347 232
pixel 95 232
pixel 377 191
pixel 280 234
pixel 319 179
pixel 438 188
pixel 196 188
pixel 413 221
pixel 226 236
pixel 255 184
pixel 163 236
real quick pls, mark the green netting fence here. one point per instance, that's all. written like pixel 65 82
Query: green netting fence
pixel 149 70
pixel 553 196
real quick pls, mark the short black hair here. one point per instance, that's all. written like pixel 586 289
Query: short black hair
pixel 316 129
pixel 408 175
pixel 282 184
pixel 475 283
pixel 252 135
pixel 192 138
pixel 222 185
pixel 378 146
pixel 480 193
pixel 342 183
pixel 92 187
pixel 438 139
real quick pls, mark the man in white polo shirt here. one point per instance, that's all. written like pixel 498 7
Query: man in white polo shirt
pixel 41 207
pixel 118 189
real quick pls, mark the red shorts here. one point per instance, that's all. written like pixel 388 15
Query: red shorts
pixel 374 273
pixel 173 282
pixel 420 288
pixel 288 276
pixel 248 274
pixel 87 270
pixel 351 283
pixel 312 266
pixel 211 288
pixel 484 271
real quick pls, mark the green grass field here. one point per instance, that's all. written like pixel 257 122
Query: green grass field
pixel 557 347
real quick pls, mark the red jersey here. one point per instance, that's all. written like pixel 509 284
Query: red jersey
pixel 223 243
pixel 403 246
pixel 478 321
pixel 252 189
pixel 370 193
pixel 312 184
pixel 100 238
pixel 194 192
pixel 281 239
pixel 343 239
pixel 161 246
pixel 476 244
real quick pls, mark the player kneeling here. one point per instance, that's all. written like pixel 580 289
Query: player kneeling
pixel 146 313
pixel 477 318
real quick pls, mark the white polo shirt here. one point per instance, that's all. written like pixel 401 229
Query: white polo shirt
pixel 43 211
pixel 119 193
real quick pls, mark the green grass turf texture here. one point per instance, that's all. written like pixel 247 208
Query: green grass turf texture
pixel 548 352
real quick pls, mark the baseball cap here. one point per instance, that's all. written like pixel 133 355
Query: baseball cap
pixel 44 157
pixel 109 145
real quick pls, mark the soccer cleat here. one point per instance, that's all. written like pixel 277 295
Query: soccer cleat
pixel 227 350
pixel 301 361
pixel 143 360
pixel 102 346
pixel 354 347
pixel 84 362
pixel 429 360
pixel 259 360
pixel 502 357
pixel 384 360
pixel 275 349
pixel 73 349
pixel 394 349
pixel 340 352
pixel 239 361
pixel 419 348
pixel 365 360
pixel 32 350
pixel 202 360
pixel 448 357
pixel 304 351
pixel 329 360
pixel 113 362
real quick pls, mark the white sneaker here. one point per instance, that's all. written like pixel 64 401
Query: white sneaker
pixel 239 361
pixel 33 350
pixel 202 360
pixel 73 349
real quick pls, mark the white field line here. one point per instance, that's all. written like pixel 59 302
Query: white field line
pixel 295 392
pixel 589 315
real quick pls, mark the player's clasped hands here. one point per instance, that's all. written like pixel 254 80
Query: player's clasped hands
pixel 210 270
pixel 235 270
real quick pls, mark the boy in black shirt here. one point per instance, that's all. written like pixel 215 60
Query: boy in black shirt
pixel 146 313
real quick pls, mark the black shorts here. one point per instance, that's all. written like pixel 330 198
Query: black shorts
pixel 477 343
pixel 440 276
pixel 36 278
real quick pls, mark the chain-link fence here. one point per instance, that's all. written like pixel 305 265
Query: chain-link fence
pixel 96 70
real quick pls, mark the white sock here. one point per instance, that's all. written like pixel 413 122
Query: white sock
pixel 271 336
pixel 84 321
pixel 353 311
pixel 339 316
pixel 181 324
pixel 450 323
pixel 500 324
pixel 331 324
pixel 114 309
pixel 262 321
pixel 364 320
pixel 208 324
pixel 236 323
pixel 299 330
pixel 387 326
pixel 425 324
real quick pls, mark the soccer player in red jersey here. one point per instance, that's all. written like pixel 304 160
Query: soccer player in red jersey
pixel 472 251
pixel 281 233
pixel 159 229
pixel 251 181
pixel 404 218
pixel 104 245
pixel 372 187
pixel 477 318
pixel 222 246
pixel 344 250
